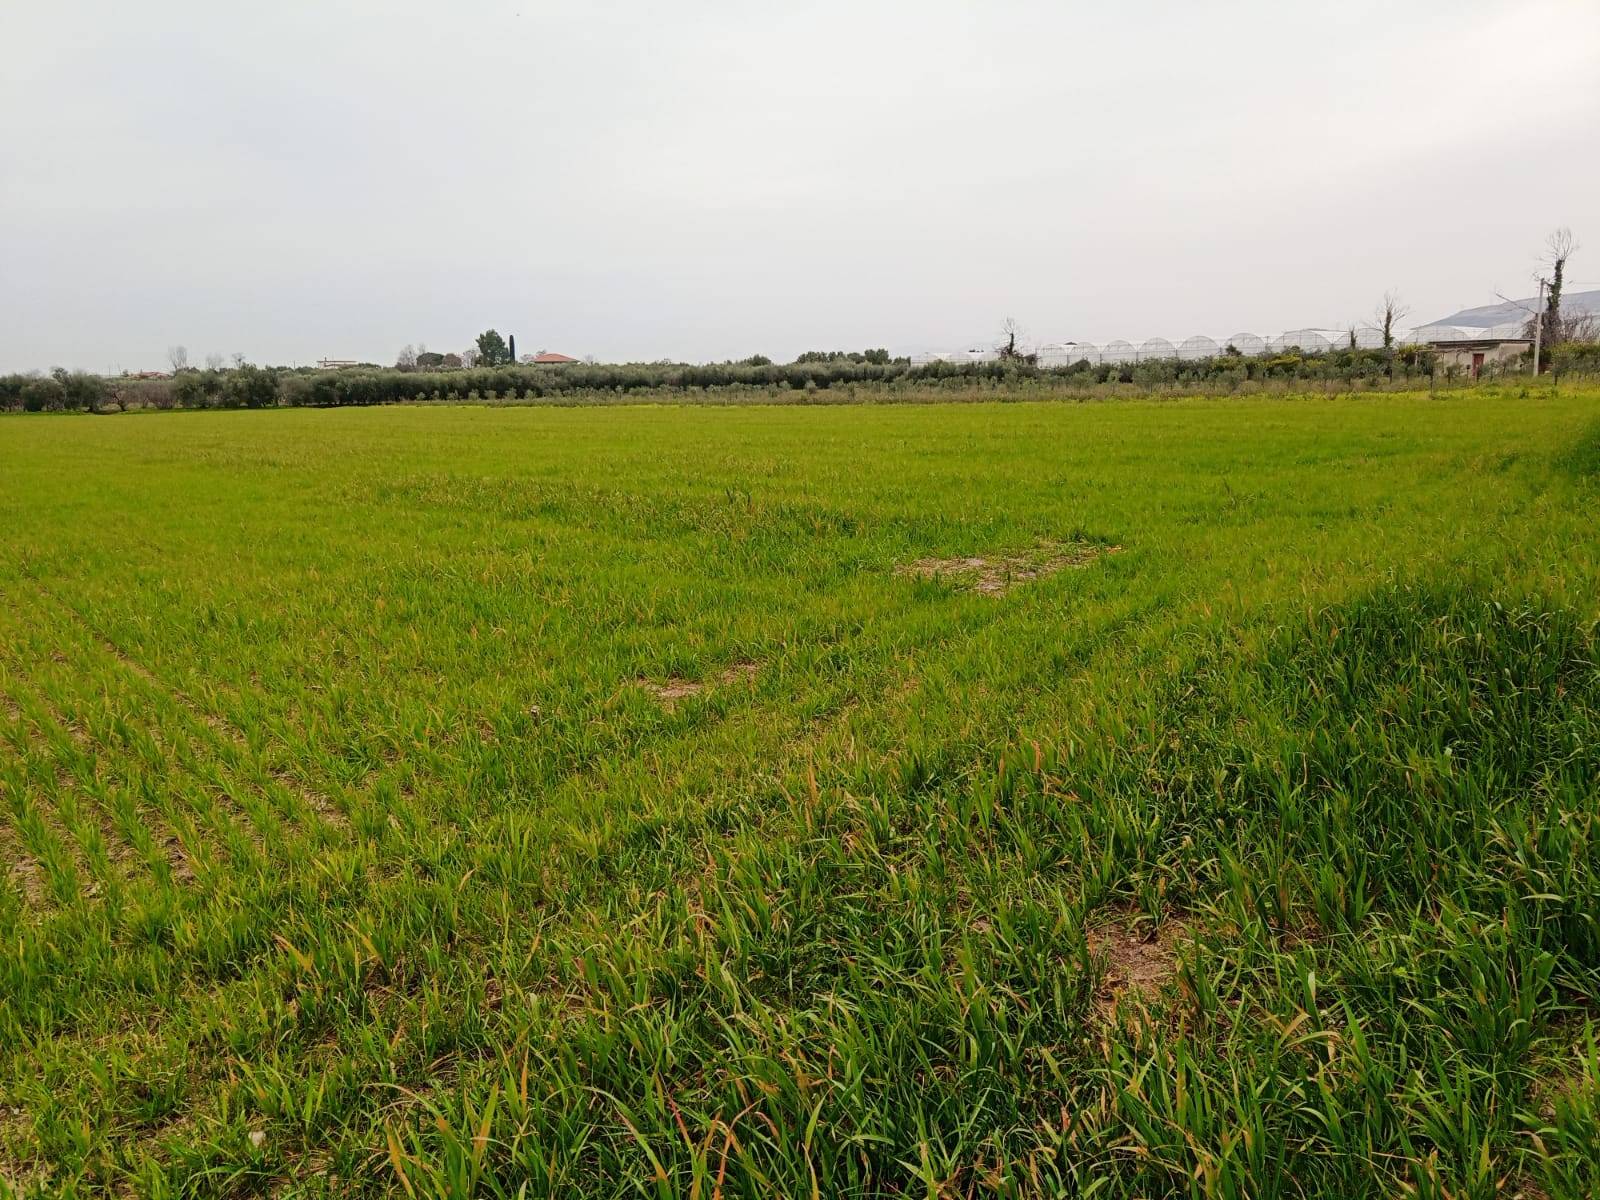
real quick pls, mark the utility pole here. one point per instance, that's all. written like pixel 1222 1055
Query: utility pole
pixel 1538 327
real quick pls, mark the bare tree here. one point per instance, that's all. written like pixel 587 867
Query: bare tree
pixel 1010 332
pixel 213 361
pixel 178 356
pixel 1582 327
pixel 1558 248
pixel 406 360
pixel 1390 312
pixel 469 357
pixel 238 359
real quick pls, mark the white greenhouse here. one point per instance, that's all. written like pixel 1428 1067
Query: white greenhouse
pixel 1059 354
pixel 1197 347
pixel 1308 341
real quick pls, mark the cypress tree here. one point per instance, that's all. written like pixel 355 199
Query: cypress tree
pixel 512 350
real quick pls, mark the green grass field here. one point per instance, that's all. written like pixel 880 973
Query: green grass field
pixel 498 802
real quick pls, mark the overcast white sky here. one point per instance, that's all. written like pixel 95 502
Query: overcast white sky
pixel 701 180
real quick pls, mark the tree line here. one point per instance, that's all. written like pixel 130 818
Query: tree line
pixel 249 386
pixel 815 374
pixel 243 386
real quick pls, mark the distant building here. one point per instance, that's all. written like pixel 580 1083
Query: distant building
pixel 547 358
pixel 1469 349
pixel 337 364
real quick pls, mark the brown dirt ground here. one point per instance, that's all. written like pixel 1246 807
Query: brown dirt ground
pixel 998 574
pixel 672 689
pixel 1139 960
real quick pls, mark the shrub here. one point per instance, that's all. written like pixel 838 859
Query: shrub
pixel 11 389
pixel 191 390
pixel 44 394
pixel 80 392
pixel 252 387
pixel 1576 357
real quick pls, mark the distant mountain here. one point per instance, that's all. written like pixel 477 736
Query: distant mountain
pixel 1519 310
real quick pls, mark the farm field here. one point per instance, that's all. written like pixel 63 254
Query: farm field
pixel 1189 798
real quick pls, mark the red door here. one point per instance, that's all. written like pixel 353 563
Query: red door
pixel 1477 363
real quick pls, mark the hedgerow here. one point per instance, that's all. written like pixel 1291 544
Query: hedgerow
pixel 813 378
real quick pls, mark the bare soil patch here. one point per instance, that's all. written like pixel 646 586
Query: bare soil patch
pixel 25 873
pixel 997 574
pixel 667 692
pixel 1140 960
pixel 672 689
